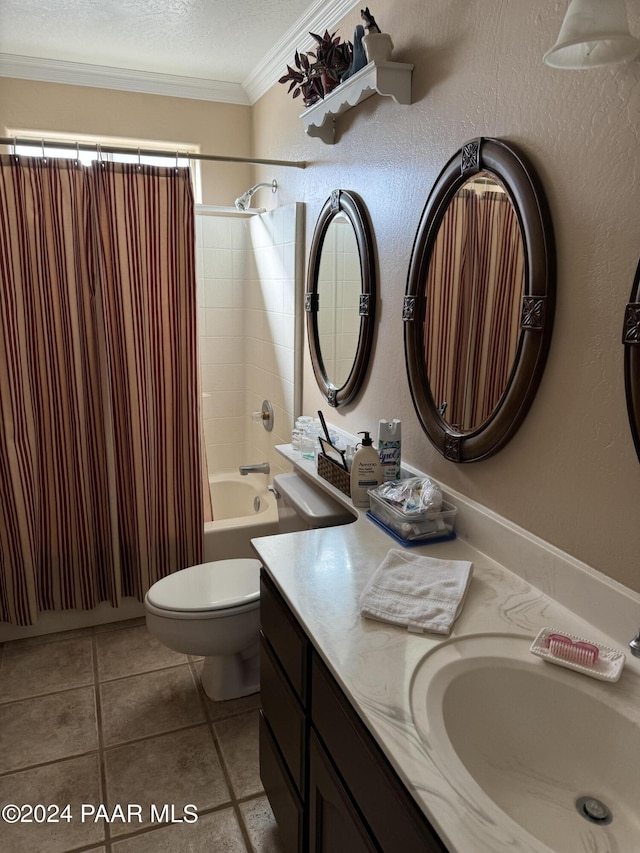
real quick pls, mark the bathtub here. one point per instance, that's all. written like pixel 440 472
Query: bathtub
pixel 243 508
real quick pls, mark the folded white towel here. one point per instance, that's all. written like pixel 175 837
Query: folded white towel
pixel 423 593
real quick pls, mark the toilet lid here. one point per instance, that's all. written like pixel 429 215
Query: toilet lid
pixel 210 586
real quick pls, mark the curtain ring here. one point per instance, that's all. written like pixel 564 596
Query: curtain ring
pixel 99 153
pixel 44 158
pixel 139 160
pixel 77 152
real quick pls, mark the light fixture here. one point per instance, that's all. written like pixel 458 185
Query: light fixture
pixel 594 32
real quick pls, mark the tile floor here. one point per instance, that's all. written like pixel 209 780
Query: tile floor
pixel 108 716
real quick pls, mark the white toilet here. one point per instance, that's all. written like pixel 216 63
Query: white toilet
pixel 213 610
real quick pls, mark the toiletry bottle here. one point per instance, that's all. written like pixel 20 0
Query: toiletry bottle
pixel 349 453
pixel 365 471
pixel 389 441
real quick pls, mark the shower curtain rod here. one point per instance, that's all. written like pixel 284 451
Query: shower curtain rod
pixel 147 152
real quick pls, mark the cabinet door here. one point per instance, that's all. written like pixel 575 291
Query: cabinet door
pixel 285 636
pixel 334 824
pixel 391 815
pixel 284 715
pixel 286 805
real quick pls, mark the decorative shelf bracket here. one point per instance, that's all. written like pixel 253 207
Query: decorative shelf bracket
pixel 385 78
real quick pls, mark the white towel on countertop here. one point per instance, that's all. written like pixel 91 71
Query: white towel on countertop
pixel 423 593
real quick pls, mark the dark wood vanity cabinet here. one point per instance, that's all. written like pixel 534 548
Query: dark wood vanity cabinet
pixel 330 787
pixel 284 718
pixel 334 822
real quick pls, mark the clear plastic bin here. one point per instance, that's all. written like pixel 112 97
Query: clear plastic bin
pixel 414 526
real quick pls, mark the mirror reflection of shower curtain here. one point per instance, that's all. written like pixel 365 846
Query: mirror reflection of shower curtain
pixel 474 290
pixel 99 431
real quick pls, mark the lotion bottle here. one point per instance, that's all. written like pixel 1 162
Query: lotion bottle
pixel 365 471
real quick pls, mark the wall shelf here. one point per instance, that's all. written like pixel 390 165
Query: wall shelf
pixel 385 78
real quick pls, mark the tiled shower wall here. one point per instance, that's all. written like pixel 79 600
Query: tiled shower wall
pixel 249 273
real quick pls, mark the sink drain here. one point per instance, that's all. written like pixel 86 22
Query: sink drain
pixel 594 810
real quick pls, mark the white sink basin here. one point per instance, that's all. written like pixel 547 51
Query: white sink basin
pixel 523 740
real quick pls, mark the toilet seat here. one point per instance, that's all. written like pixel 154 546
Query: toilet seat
pixel 207 590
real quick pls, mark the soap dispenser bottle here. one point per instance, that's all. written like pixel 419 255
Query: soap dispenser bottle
pixel 365 471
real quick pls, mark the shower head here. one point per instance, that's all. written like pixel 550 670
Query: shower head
pixel 244 202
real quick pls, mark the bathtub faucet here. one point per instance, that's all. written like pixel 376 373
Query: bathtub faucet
pixel 262 468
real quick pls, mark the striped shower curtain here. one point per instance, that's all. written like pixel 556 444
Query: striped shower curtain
pixel 100 478
pixel 474 296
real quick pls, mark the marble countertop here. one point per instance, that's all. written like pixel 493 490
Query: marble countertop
pixel 321 574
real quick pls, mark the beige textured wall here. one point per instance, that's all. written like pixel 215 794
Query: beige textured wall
pixel 218 128
pixel 570 475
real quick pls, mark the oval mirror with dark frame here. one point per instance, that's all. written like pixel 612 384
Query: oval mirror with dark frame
pixel 631 341
pixel 480 299
pixel 340 297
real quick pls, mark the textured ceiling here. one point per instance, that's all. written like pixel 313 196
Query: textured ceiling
pixel 220 40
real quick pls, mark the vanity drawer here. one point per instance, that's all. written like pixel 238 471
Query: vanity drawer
pixel 385 805
pixel 282 711
pixel 283 798
pixel 285 636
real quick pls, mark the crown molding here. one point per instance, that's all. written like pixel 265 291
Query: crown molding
pixel 122 79
pixel 322 16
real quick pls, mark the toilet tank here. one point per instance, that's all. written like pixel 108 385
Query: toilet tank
pixel 313 507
